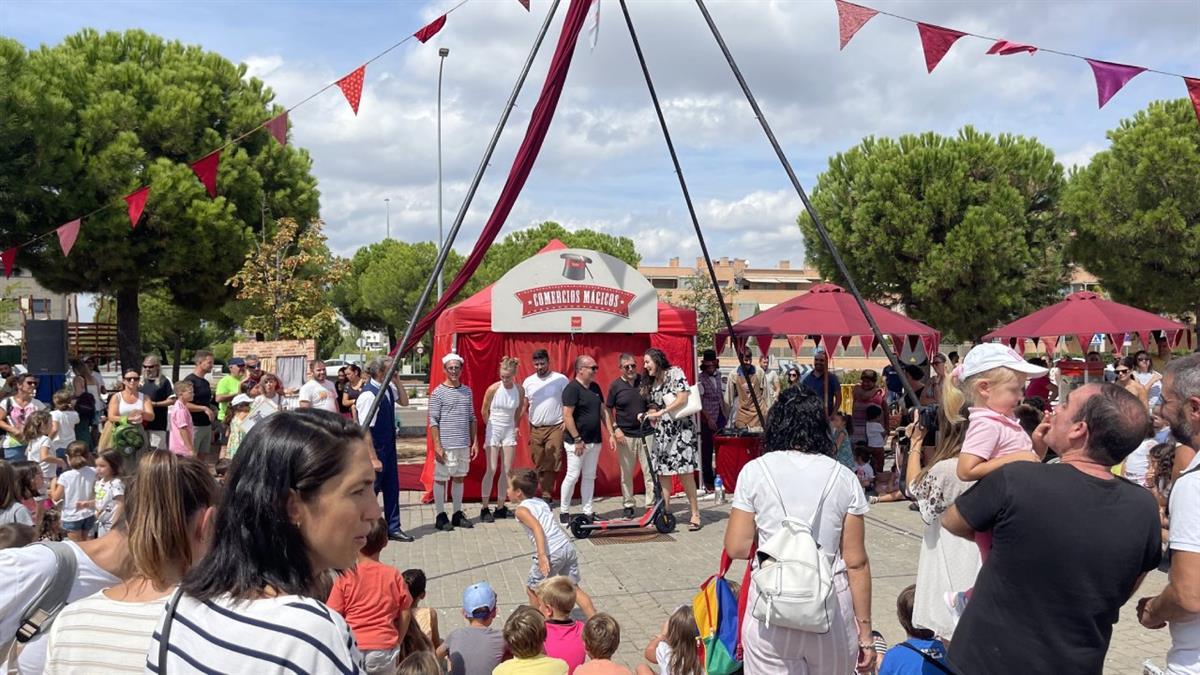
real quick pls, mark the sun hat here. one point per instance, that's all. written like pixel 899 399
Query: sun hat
pixel 991 355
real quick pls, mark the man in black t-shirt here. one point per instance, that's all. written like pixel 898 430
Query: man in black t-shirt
pixel 583 413
pixel 202 406
pixel 625 432
pixel 1071 542
pixel 157 388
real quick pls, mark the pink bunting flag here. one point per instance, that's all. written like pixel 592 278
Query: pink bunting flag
pixel 1006 48
pixel 719 341
pixel 432 29
pixel 764 343
pixel 796 342
pixel 851 17
pixel 1050 343
pixel 10 258
pixel 352 86
pixel 929 343
pixel 1144 336
pixel 1110 77
pixel 1193 88
pixel 67 234
pixel 831 344
pixel 868 343
pixel 278 127
pixel 525 4
pixel 936 41
pixel 205 169
pixel 136 201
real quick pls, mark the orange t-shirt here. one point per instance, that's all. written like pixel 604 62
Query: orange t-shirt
pixel 370 598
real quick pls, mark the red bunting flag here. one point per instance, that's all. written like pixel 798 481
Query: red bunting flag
pixel 136 201
pixel 1005 48
pixel 10 257
pixel 851 17
pixel 525 4
pixel 432 29
pixel 1110 77
pixel 1193 87
pixel 278 127
pixel 936 41
pixel 352 86
pixel 67 235
pixel 205 169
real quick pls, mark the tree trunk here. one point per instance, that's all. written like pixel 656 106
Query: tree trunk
pixel 162 356
pixel 129 341
pixel 177 356
pixel 391 336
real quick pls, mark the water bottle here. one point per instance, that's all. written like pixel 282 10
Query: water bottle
pixel 719 488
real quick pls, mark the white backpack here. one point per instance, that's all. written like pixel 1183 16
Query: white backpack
pixel 794 579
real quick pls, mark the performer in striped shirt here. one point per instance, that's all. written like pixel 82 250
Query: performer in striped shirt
pixel 452 425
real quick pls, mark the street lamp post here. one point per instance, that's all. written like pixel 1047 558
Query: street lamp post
pixel 387 202
pixel 442 54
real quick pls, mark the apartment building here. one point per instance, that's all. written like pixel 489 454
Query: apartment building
pixel 758 288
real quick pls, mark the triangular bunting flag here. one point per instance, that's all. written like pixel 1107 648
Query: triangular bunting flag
pixel 1193 87
pixel 1005 48
pixel 136 201
pixel 1117 340
pixel 278 127
pixel 831 344
pixel 1110 77
pixel 868 343
pixel 66 236
pixel 846 341
pixel 851 17
pixel 1147 343
pixel 1020 346
pixel 739 345
pixel 764 343
pixel 1085 343
pixel 936 41
pixel 1050 343
pixel 929 342
pixel 432 29
pixel 525 4
pixel 719 340
pixel 352 86
pixel 897 344
pixel 10 257
pixel 796 342
pixel 205 169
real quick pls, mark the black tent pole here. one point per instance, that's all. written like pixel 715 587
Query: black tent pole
pixel 687 198
pixel 462 210
pixel 824 234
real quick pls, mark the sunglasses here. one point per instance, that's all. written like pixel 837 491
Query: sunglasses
pixel 1143 359
pixel 592 367
pixel 1122 371
pixel 629 366
pixel 149 367
pixel 131 379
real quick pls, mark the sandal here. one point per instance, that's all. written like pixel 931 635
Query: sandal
pixel 695 525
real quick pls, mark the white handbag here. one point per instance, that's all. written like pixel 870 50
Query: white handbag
pixel 693 406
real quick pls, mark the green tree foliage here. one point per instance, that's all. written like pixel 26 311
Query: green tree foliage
pixel 964 232
pixel 1135 210
pixel 698 294
pixel 394 277
pixel 518 246
pixel 93 118
pixel 170 330
pixel 348 298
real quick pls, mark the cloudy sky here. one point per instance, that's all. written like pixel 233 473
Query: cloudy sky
pixel 604 165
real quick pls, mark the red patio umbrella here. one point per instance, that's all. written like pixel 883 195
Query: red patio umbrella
pixel 829 315
pixel 1084 314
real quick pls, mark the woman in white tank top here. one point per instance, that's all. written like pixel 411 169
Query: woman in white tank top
pixel 499 412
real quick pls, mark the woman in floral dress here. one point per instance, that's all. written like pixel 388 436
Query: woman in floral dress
pixel 675 440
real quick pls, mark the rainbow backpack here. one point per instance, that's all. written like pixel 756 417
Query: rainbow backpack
pixel 718 610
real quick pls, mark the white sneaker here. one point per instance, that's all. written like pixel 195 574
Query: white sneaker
pixel 706 496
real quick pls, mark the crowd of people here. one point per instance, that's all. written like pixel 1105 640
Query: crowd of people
pixel 189 527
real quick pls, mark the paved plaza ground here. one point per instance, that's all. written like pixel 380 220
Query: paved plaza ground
pixel 641 582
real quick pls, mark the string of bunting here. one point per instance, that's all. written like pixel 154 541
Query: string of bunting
pixel 206 167
pixel 936 41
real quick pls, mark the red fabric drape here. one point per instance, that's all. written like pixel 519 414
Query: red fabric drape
pixel 539 124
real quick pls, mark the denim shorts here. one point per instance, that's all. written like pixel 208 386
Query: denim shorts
pixel 84 525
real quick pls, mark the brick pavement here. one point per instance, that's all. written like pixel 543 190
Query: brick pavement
pixel 641 583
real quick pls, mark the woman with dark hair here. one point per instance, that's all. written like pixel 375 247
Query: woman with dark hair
pixel 675 440
pixel 1126 380
pixel 797 477
pixel 352 388
pixel 339 386
pixel 168 520
pixel 1147 376
pixel 866 393
pixel 298 503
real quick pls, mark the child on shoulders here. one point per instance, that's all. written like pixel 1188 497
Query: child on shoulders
pixel 477 648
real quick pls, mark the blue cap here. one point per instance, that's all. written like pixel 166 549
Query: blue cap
pixel 478 597
pixel 236 361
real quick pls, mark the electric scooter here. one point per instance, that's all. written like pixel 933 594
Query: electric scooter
pixel 656 514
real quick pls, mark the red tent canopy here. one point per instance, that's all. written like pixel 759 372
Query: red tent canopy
pixel 828 314
pixel 1083 314
pixel 467 329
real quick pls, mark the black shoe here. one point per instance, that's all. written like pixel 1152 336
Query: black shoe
pixel 503 512
pixel 628 513
pixel 443 523
pixel 460 520
pixel 400 535
pixel 564 517
pixel 485 515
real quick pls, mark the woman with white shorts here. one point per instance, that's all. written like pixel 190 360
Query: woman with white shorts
pixel 499 411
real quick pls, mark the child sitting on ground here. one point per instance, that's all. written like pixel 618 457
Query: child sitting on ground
pixel 564 635
pixel 676 648
pixel 554 554
pixel 862 467
pixel 477 647
pixel 375 601
pixel 426 617
pixel 601 637
pixel 525 633
pixel 922 653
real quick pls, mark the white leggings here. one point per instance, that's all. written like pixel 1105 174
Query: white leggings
pixel 501 477
pixel 577 465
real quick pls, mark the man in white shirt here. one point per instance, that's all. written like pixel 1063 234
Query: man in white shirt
pixel 1179 603
pixel 318 392
pixel 543 402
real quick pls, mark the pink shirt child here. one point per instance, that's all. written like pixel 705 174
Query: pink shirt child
pixel 991 435
pixel 180 419
pixel 564 640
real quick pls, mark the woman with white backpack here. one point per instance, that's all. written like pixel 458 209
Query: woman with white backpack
pixel 809 607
